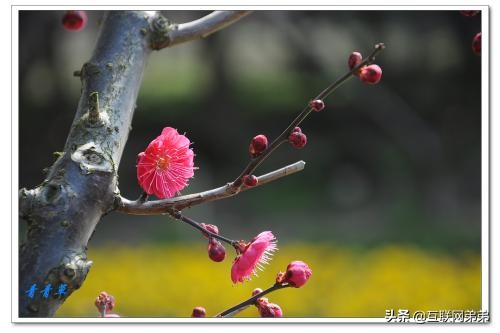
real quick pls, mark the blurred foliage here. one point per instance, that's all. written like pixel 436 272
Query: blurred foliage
pixel 169 281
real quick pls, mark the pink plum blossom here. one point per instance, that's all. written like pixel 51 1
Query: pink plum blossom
pixel 252 255
pixel 164 168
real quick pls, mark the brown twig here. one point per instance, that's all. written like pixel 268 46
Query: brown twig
pixel 178 215
pixel 283 137
pixel 237 308
pixel 155 207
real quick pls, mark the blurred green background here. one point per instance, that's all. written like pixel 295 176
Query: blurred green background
pixel 387 211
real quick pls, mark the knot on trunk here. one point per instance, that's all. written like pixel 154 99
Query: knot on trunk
pixel 92 159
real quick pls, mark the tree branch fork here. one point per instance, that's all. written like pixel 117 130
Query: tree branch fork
pixel 165 206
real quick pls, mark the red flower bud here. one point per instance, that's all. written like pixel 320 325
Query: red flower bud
pixel 354 59
pixel 216 250
pixel 476 44
pixel 199 312
pixel 469 12
pixel 317 105
pixel 298 139
pixel 209 227
pixel 258 145
pixel 297 129
pixel 74 20
pixel 370 74
pixel 250 180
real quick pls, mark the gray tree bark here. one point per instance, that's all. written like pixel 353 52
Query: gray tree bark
pixel 82 185
pixel 63 211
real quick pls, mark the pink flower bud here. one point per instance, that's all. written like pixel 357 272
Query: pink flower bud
pixel 297 273
pixel 354 59
pixel 298 139
pixel 270 310
pixel 209 227
pixel 370 74
pixel 256 291
pixel 297 129
pixel 105 303
pixel 250 180
pixel 261 301
pixel 258 145
pixel 469 12
pixel 74 20
pixel 476 44
pixel 199 312
pixel 216 250
pixel 317 105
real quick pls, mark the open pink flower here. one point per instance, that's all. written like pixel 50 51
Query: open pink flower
pixel 164 168
pixel 252 255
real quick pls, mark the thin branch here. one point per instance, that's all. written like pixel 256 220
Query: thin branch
pixel 283 137
pixel 178 215
pixel 140 207
pixel 233 188
pixel 201 28
pixel 237 308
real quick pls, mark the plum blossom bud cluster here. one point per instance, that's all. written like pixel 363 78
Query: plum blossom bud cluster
pixel 105 304
pixel 297 139
pixel 370 74
pixel 216 250
pixel 265 308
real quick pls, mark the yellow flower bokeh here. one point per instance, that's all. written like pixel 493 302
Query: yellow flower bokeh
pixel 160 281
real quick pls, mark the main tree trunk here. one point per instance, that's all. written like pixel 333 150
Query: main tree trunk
pixel 63 211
